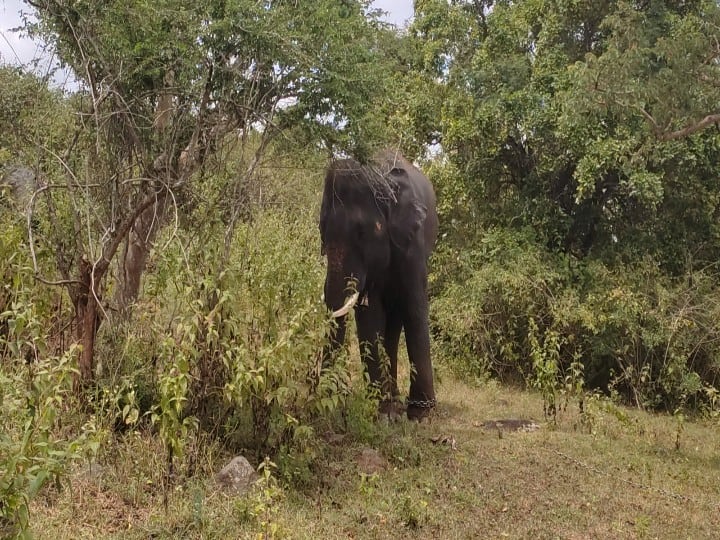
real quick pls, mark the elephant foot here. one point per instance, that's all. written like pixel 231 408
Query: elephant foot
pixel 392 409
pixel 419 410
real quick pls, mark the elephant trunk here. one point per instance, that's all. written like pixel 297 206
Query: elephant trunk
pixel 337 338
pixel 334 295
pixel 341 292
pixel 341 295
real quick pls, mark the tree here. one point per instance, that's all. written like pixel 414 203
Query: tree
pixel 588 122
pixel 166 87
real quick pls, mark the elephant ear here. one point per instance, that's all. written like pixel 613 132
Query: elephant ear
pixel 323 221
pixel 407 216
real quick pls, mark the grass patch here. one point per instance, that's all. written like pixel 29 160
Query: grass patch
pixel 611 472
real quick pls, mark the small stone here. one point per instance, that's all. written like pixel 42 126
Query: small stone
pixel 237 476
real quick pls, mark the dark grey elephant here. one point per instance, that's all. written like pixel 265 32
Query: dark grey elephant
pixel 378 226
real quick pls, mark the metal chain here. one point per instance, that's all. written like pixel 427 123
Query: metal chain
pixel 638 485
pixel 422 403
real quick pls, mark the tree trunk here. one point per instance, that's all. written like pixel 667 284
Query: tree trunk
pixel 137 248
pixel 86 320
pixel 86 293
pixel 87 327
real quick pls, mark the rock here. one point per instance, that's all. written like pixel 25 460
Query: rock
pixel 370 461
pixel 237 476
pixel 449 440
pixel 20 183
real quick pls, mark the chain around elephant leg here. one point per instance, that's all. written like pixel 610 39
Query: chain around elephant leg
pixel 419 409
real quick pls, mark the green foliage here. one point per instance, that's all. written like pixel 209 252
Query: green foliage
pixel 482 320
pixel 176 355
pixel 545 358
pixel 412 513
pixel 33 398
pixel 168 92
pixel 245 346
pixel 584 121
pixel 245 57
pixel 261 507
pixel 36 394
pixel 578 193
pixel 36 397
pixel 279 332
pixel 558 325
pixel 177 105
pixel 30 112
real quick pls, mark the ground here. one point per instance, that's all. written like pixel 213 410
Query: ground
pixel 611 472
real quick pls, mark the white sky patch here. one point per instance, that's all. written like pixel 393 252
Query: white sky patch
pixel 15 48
pixel 399 12
pixel 18 49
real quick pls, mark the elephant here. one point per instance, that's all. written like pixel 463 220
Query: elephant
pixel 378 226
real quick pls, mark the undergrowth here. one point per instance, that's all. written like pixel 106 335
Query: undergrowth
pixel 523 314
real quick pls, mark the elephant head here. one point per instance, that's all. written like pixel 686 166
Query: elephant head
pixel 367 216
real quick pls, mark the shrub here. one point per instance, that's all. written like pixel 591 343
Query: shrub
pixel 33 399
pixel 520 310
pixel 38 438
pixel 481 320
pixel 234 339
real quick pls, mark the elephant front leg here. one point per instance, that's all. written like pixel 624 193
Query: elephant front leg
pixel 417 335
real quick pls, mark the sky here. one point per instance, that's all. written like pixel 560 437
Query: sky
pixel 398 11
pixel 16 48
pixel 13 46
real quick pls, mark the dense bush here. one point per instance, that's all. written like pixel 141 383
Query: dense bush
pixel 40 435
pixel 633 330
pixel 37 442
pixel 233 338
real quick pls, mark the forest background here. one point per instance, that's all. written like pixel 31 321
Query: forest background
pixel 158 228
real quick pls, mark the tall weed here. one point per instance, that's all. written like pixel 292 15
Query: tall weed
pixel 39 438
pixel 235 338
pixel 40 434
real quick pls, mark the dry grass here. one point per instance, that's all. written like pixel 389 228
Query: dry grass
pixel 612 473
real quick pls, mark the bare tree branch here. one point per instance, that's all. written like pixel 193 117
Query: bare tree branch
pixel 123 229
pixel 708 121
pixel 31 240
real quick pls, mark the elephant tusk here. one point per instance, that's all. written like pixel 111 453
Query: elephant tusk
pixel 347 307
